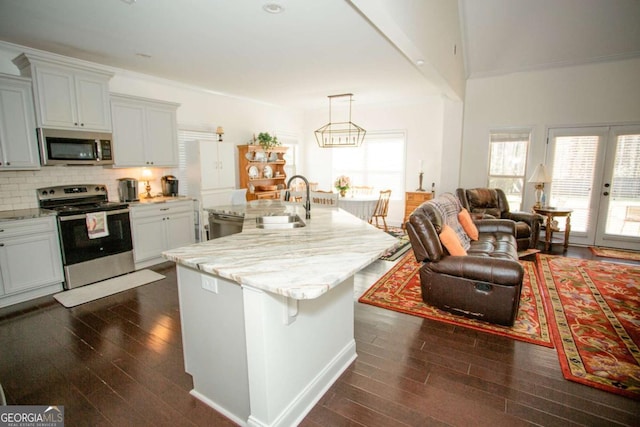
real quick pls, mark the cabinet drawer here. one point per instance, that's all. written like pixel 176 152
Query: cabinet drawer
pixel 138 211
pixel 27 226
pixel 418 197
pixel 268 195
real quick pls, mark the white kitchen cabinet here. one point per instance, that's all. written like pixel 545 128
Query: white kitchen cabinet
pixel 157 227
pixel 145 132
pixel 68 95
pixel 210 166
pixel 30 260
pixel 18 143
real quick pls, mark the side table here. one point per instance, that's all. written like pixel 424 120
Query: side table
pixel 550 214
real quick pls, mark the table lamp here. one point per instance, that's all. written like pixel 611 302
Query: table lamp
pixel 147 175
pixel 539 177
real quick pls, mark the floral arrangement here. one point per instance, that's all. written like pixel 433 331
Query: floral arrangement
pixel 343 183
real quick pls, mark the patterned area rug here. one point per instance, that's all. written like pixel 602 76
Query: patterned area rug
pixel 594 312
pixel 399 290
pixel 401 248
pixel 615 253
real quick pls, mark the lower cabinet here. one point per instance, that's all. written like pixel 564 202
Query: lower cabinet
pixel 159 227
pixel 30 260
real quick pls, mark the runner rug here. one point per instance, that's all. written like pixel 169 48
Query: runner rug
pixel 615 253
pixel 594 310
pixel 400 248
pixel 399 290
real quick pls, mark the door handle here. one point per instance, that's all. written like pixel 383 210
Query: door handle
pixel 606 193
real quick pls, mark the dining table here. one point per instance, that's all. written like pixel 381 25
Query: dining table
pixel 361 206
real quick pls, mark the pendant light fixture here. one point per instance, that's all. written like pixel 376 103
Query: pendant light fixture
pixel 343 133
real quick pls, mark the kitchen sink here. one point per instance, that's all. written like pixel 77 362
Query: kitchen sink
pixel 275 222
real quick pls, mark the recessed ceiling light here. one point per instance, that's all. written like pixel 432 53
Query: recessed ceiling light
pixel 420 62
pixel 273 8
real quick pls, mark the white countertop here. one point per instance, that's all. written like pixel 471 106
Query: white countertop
pixel 301 263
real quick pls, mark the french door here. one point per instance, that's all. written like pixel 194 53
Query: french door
pixel 596 172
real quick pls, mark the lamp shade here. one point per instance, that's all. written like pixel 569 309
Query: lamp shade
pixel 540 174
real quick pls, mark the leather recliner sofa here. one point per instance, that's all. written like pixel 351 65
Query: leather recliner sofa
pixel 486 283
pixel 488 203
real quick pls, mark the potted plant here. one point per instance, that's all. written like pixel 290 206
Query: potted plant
pixel 267 142
pixel 342 184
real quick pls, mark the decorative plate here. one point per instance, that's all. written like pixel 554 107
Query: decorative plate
pixel 273 157
pixel 260 157
pixel 268 172
pixel 253 172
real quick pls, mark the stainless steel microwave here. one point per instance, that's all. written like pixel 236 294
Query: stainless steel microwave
pixel 70 147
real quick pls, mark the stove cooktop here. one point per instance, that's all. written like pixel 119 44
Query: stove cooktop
pixel 87 208
pixel 77 199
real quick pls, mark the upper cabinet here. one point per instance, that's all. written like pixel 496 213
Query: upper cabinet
pixel 68 95
pixel 18 143
pixel 145 131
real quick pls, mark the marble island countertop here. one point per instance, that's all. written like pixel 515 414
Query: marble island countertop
pixel 300 263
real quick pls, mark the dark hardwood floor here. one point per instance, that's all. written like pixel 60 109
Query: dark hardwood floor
pixel 118 362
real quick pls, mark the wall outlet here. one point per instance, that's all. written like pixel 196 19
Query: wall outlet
pixel 210 284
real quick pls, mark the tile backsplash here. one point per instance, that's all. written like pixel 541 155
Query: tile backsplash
pixel 18 188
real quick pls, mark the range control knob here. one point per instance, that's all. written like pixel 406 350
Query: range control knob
pixel 44 192
pixel 97 189
pixel 52 192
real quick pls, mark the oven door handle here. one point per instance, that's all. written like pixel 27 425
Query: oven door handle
pixel 83 216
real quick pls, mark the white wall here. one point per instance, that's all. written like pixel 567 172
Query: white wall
pixel 239 117
pixel 594 94
pixel 426 137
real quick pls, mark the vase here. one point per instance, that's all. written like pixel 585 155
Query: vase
pixel 343 193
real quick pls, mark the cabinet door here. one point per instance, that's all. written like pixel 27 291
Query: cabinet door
pixel 92 96
pixel 56 98
pixel 148 237
pixel 19 147
pixel 161 143
pixel 180 230
pixel 128 134
pixel 226 165
pixel 31 261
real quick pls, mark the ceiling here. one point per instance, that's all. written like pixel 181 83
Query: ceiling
pixel 314 48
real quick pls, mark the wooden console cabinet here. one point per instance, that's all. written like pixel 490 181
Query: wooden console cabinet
pixel 413 199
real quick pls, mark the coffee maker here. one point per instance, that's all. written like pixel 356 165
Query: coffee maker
pixel 128 189
pixel 169 186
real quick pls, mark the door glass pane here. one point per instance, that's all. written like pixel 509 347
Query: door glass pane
pixel 574 163
pixel 623 216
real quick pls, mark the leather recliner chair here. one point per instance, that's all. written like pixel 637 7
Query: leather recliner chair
pixel 492 203
pixel 483 285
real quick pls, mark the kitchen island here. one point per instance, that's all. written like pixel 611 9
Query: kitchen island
pixel 267 314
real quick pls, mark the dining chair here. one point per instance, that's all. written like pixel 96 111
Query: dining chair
pixel 324 198
pixel 294 196
pixel 362 190
pixel 381 209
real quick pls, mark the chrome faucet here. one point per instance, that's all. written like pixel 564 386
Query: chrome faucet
pixel 307 205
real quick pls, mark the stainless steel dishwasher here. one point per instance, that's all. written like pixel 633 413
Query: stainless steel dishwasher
pixel 224 224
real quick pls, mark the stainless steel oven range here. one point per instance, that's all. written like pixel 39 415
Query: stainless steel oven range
pixel 95 234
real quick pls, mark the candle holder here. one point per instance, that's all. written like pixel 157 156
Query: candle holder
pixel 421 176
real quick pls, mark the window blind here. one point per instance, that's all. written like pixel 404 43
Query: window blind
pixel 184 137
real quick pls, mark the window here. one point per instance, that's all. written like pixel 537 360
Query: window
pixel 507 161
pixel 378 162
pixel 185 135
